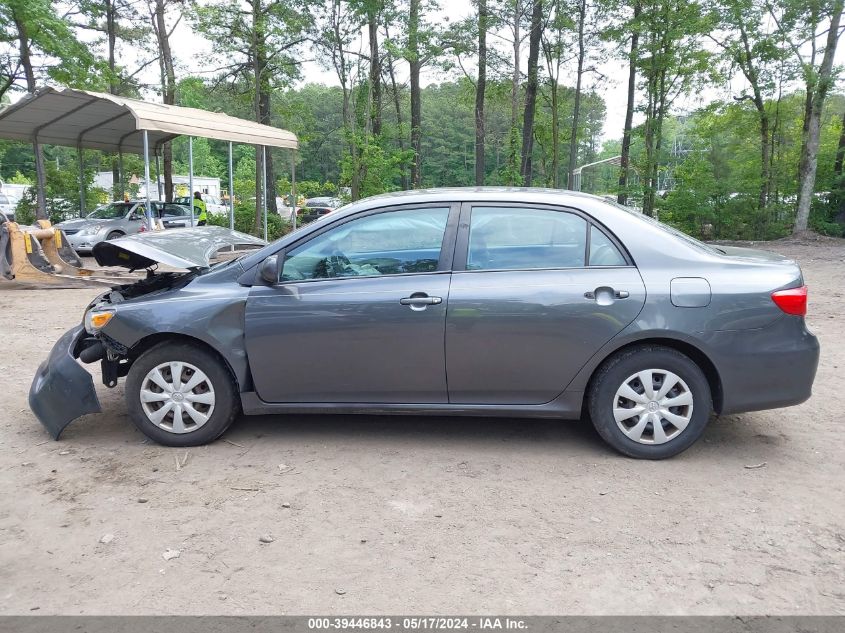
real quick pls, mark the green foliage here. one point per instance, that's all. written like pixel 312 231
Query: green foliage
pixel 379 167
pixel 58 54
pixel 310 188
pixel 19 179
pixel 245 222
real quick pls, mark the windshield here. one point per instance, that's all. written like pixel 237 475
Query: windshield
pixel 111 211
pixel 668 229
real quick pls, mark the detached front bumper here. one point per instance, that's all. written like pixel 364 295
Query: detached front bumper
pixel 62 389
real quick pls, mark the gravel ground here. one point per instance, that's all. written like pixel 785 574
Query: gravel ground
pixel 421 515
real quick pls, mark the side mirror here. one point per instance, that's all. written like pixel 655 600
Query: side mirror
pixel 271 269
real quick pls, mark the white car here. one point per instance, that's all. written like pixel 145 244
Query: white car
pixel 213 204
pixel 7 206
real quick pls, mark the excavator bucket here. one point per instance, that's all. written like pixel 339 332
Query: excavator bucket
pixel 58 251
pixel 24 261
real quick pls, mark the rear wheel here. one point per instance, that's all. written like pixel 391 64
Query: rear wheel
pixel 180 395
pixel 650 402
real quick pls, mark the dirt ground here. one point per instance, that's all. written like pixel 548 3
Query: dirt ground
pixel 421 515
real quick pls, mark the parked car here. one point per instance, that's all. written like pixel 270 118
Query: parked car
pixel 315 208
pixel 213 204
pixel 485 302
pixel 7 207
pixel 118 219
pixel 282 208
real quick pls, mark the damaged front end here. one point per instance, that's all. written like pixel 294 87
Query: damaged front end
pixel 63 389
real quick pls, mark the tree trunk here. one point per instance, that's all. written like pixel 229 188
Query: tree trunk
pixel 480 88
pixel 29 73
pixel 416 110
pixel 839 185
pixel 816 93
pixel 555 135
pixel 397 104
pixel 531 91
pixel 111 36
pixel 375 72
pixel 624 162
pixel 259 64
pixel 576 110
pixel 512 152
pixel 168 89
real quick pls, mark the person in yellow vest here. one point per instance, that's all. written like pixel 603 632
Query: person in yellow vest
pixel 199 209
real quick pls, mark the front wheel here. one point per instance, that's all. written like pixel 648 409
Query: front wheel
pixel 650 402
pixel 180 395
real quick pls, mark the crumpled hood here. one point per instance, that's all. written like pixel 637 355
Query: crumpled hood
pixel 189 248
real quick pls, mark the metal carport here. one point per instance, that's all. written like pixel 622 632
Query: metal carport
pixel 94 120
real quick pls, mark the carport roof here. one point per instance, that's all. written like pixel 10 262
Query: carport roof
pixel 95 120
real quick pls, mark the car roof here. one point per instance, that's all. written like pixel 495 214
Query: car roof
pixel 475 193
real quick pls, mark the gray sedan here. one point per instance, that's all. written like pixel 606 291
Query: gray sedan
pixel 118 219
pixel 485 302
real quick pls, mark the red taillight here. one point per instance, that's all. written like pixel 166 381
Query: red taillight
pixel 792 301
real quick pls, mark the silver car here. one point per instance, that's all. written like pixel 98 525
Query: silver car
pixel 118 219
pixel 485 302
pixel 7 207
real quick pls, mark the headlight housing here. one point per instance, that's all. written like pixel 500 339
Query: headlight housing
pixel 91 230
pixel 95 320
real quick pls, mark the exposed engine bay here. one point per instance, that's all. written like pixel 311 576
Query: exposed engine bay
pixel 115 358
pixel 153 282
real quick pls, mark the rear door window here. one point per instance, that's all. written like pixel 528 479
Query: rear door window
pixel 519 238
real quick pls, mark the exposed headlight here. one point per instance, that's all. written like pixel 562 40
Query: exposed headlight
pixel 95 320
pixel 91 230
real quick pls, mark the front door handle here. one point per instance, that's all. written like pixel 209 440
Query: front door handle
pixel 419 301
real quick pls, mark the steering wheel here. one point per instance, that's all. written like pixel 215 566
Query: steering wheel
pixel 335 265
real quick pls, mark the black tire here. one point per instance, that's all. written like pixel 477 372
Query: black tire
pixel 113 236
pixel 226 404
pixel 614 372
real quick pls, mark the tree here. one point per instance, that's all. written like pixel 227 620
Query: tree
pixel 46 47
pixel 338 23
pixel 258 46
pixel 819 25
pixel 531 90
pixel 168 78
pixel 415 64
pixel 514 12
pixel 480 88
pixel 555 43
pixel 581 19
pixel 625 152
pixel 670 59
pixel 746 45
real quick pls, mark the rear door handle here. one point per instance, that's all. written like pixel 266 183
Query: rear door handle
pixel 604 290
pixel 419 301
